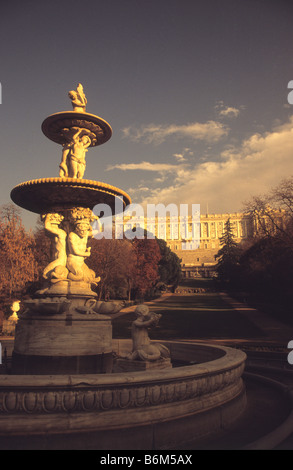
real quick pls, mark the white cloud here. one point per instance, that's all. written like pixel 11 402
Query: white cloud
pixel 187 151
pixel 230 112
pixel 227 111
pixel 146 166
pixel 254 168
pixel 140 189
pixel 179 156
pixel 210 131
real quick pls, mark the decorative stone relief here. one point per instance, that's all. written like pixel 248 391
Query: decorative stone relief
pixel 96 398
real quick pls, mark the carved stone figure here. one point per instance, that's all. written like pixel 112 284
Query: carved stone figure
pixel 143 349
pixel 78 251
pixel 15 307
pixel 100 307
pixel 70 230
pixel 8 327
pixel 73 155
pixel 57 267
pixel 78 99
pixel 63 172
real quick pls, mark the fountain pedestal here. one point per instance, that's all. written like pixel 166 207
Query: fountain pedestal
pixel 62 344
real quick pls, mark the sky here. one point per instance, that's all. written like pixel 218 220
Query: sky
pixel 196 92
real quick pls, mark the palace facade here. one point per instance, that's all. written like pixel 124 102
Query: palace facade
pixel 201 261
pixel 196 240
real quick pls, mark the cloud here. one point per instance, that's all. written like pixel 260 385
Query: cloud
pixel 227 111
pixel 139 188
pixel 253 168
pixel 145 166
pixel 210 131
pixel 179 156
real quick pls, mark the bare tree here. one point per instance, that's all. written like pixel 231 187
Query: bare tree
pixel 272 213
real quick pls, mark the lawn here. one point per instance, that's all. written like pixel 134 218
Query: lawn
pixel 195 316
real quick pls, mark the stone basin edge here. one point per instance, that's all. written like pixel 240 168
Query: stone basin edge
pixel 231 359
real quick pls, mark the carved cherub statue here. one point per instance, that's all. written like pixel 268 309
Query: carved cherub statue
pixel 57 267
pixel 73 155
pixel 78 252
pixel 78 99
pixel 142 348
pixel 69 231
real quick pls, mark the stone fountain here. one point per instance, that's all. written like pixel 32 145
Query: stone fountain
pixel 63 329
pixel 65 389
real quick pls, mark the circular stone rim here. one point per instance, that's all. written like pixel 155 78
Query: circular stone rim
pixel 28 194
pixel 90 118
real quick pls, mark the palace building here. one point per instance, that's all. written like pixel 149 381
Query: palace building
pixel 201 261
pixel 196 241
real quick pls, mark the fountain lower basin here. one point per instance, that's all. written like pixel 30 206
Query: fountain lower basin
pixel 157 409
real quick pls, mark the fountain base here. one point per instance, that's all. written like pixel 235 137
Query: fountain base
pixel 64 343
pixel 163 409
pixel 23 364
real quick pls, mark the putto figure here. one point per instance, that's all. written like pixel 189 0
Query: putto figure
pixel 57 268
pixel 78 252
pixel 73 155
pixel 142 348
pixel 69 232
pixel 78 99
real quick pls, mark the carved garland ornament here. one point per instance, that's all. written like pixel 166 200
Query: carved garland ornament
pixel 125 397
